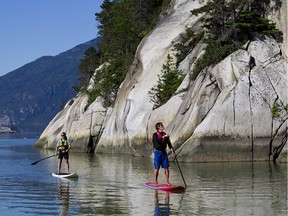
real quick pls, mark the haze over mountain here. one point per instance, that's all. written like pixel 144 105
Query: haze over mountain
pixel 31 95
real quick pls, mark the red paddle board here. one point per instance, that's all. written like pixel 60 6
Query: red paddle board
pixel 164 187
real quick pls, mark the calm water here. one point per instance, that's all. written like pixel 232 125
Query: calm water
pixel 113 185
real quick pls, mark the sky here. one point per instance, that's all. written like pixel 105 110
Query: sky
pixel 30 29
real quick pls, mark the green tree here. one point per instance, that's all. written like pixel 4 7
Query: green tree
pixel 107 81
pixel 229 25
pixel 122 25
pixel 167 84
pixel 186 44
pixel 279 112
pixel 118 28
pixel 88 65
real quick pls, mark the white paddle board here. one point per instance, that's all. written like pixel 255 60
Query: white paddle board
pixel 65 175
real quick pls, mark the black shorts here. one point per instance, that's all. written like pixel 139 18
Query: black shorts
pixel 63 154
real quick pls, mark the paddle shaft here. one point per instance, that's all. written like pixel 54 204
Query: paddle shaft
pixel 43 159
pixel 177 155
pixel 180 172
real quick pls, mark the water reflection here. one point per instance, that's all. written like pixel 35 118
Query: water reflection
pixel 237 189
pixel 63 195
pixel 114 185
pixel 162 207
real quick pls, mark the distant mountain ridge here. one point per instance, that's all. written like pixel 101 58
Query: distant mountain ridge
pixel 32 95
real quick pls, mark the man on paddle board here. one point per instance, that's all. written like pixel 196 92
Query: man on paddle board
pixel 160 142
pixel 62 149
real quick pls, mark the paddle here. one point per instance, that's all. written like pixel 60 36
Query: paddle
pixel 177 155
pixel 43 159
pixel 180 171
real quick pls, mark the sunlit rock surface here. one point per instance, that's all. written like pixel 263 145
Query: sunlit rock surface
pixel 224 115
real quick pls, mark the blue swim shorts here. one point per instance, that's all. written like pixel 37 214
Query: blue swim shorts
pixel 160 159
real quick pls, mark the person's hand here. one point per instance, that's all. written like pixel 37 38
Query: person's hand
pixel 166 135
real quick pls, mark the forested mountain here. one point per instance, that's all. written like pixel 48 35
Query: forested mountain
pixel 31 95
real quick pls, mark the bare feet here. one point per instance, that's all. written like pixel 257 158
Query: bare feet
pixel 168 184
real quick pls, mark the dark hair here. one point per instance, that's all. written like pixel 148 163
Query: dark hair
pixel 158 124
pixel 64 135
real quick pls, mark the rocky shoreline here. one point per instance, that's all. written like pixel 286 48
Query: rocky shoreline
pixel 4 129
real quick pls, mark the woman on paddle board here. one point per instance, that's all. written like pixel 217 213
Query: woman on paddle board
pixel 160 142
pixel 62 149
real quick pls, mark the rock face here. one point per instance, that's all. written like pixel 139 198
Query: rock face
pixel 225 115
pixel 280 17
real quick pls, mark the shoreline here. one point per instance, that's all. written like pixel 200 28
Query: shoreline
pixel 6 130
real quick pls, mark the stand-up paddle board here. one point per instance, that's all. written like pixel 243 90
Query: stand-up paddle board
pixel 65 175
pixel 164 187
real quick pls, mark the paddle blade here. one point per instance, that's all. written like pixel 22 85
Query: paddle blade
pixel 43 159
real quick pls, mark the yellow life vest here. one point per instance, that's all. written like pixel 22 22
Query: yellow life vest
pixel 63 145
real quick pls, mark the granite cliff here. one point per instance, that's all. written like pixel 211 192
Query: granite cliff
pixel 224 115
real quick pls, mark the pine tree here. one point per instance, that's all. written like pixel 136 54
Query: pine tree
pixel 167 84
pixel 88 65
